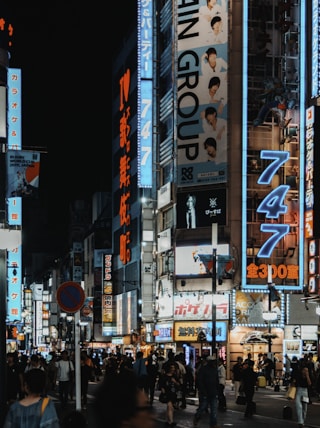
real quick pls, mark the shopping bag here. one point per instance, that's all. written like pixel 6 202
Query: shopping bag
pixel 291 393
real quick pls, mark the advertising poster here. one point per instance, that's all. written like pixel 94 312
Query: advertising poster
pixel 202 86
pixel 23 173
pixel 249 308
pixel 201 208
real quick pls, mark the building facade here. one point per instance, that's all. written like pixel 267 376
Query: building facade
pixel 214 120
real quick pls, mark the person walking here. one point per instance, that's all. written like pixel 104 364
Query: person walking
pixel 249 381
pixel 33 410
pixel 208 388
pixel 52 372
pixel 182 394
pixel 119 402
pixel 170 384
pixel 13 379
pixel 153 372
pixel 86 373
pixel 237 376
pixel 267 368
pixel 140 369
pixel 64 376
pixel 302 382
pixel 222 384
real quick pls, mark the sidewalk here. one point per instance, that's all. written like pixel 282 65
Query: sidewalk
pixel 269 412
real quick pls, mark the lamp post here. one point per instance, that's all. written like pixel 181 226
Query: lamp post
pixel 214 311
pixel 214 240
pixel 269 316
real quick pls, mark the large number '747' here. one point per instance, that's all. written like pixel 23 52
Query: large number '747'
pixel 273 204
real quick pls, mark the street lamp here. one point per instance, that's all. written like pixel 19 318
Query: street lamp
pixel 270 316
pixel 214 310
pixel 214 240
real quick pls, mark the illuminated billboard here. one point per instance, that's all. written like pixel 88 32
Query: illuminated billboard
pixel 273 147
pixel 201 208
pixel 248 307
pixel 189 331
pixel 145 93
pixel 202 93
pixel 196 261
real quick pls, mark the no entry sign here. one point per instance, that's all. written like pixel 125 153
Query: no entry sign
pixel 70 296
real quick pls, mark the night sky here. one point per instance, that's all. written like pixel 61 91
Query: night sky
pixel 63 49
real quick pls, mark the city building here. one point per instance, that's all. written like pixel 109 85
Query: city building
pixel 208 242
pixel 239 149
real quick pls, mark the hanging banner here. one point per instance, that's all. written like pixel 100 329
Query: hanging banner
pixel 23 173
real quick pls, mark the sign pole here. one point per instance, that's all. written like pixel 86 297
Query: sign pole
pixel 214 240
pixel 77 355
pixel 70 298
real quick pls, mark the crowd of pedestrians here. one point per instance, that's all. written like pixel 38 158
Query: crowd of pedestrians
pixel 303 374
pixel 125 379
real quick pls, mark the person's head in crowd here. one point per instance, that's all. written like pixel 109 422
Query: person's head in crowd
pixel 64 355
pixel 120 391
pixel 34 381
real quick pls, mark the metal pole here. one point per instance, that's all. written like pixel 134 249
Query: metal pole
pixel 214 312
pixel 269 322
pixel 77 359
pixel 269 306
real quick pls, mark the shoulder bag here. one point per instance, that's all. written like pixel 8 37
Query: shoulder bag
pixel 291 393
pixel 44 404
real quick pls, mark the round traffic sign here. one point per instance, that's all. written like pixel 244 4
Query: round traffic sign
pixel 70 296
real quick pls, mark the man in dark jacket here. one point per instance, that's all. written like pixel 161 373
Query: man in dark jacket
pixel 249 380
pixel 208 387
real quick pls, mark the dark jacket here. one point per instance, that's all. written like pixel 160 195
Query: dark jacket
pixel 249 378
pixel 237 371
pixel 207 379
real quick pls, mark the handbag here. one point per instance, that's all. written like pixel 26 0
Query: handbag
pixel 291 393
pixel 163 397
pixel 241 399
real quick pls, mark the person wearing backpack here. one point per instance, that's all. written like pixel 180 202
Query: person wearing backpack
pixel 33 410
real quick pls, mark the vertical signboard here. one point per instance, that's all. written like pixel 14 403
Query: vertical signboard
pixel 273 141
pixel 14 109
pixel 309 168
pixel 14 262
pixel 315 49
pixel 107 295
pixel 145 93
pixel 125 168
pixel 202 94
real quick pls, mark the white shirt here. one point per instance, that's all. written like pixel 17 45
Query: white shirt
pixel 208 72
pixel 206 15
pixel 64 366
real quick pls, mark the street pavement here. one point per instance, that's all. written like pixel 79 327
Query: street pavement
pixel 269 412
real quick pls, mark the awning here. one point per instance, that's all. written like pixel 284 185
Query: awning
pixel 253 337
